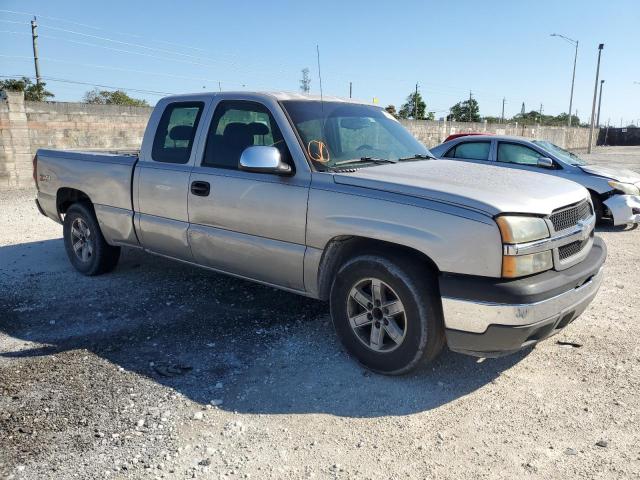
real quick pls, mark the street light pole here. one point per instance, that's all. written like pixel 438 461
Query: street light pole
pixel 595 95
pixel 599 103
pixel 573 78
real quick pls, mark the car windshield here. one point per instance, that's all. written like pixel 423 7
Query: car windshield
pixel 564 155
pixel 339 134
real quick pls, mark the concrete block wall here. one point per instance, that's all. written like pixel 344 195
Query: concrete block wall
pixel 433 133
pixel 15 146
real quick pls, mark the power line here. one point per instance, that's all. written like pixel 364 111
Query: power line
pixel 93 27
pixel 233 63
pixel 120 69
pixel 62 80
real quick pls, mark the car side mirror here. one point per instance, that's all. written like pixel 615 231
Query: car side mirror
pixel 545 162
pixel 263 159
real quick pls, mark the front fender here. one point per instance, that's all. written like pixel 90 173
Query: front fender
pixel 455 243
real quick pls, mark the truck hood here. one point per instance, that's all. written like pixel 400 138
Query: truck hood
pixel 617 174
pixel 490 189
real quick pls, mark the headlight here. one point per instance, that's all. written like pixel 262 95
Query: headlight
pixel 523 229
pixel 520 265
pixel 626 188
pixel 519 229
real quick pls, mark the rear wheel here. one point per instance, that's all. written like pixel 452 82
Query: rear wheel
pixel 387 313
pixel 86 248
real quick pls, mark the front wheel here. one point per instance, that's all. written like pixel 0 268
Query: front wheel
pixel 86 248
pixel 386 313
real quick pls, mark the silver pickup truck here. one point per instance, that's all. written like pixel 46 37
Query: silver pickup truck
pixel 335 200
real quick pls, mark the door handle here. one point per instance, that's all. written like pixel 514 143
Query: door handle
pixel 201 189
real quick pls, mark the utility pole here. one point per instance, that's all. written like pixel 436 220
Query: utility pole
pixel 470 97
pixel 219 86
pixel 34 40
pixel 350 89
pixel 595 94
pixel 573 78
pixel 415 104
pixel 540 116
pixel 599 103
pixel 502 116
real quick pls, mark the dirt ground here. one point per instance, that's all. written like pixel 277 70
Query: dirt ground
pixel 159 370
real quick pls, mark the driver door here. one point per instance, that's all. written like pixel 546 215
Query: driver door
pixel 246 223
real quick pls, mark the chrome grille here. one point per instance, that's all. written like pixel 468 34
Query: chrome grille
pixel 569 217
pixel 573 248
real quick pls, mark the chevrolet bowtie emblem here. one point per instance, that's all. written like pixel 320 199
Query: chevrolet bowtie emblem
pixel 584 230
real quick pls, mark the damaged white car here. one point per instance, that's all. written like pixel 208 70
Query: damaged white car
pixel 615 192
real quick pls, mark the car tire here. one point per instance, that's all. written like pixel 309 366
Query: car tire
pixel 86 247
pixel 390 343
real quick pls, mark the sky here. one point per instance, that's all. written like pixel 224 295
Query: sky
pixel 495 49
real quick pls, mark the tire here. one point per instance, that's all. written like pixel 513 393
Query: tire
pixel 420 323
pixel 598 208
pixel 92 255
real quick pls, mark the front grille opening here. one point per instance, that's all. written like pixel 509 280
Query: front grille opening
pixel 569 217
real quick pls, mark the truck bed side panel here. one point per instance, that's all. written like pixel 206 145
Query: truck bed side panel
pixel 104 178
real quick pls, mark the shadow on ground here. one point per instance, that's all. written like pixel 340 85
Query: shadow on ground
pixel 209 336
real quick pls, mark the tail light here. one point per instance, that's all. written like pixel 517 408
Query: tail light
pixel 35 170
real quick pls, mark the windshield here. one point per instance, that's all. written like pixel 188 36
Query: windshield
pixel 564 155
pixel 339 134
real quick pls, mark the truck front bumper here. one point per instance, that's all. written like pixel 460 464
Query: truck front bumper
pixel 489 317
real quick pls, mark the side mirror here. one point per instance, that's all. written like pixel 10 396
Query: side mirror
pixel 262 159
pixel 545 162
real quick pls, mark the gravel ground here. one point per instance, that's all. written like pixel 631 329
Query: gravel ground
pixel 159 370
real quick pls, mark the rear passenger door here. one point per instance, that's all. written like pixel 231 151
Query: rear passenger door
pixel 247 223
pixel 161 179
pixel 472 151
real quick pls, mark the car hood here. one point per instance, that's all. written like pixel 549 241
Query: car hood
pixel 490 189
pixel 618 174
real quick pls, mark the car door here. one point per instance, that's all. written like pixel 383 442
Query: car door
pixel 246 223
pixel 475 151
pixel 161 179
pixel 521 157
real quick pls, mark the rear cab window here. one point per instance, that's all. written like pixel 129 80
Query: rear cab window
pixel 470 150
pixel 176 132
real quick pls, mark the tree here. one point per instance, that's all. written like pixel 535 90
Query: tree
pixel 305 82
pixel 467 111
pixel 118 97
pixel 34 92
pixel 409 110
pixel 391 109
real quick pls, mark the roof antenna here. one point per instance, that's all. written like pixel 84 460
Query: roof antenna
pixel 320 78
pixel 321 98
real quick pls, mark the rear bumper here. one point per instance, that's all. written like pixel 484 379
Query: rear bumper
pixel 625 209
pixel 491 317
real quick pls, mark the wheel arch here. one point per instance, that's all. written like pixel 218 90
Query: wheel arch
pixel 65 197
pixel 341 248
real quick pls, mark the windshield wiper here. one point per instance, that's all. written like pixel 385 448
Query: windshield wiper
pixel 417 156
pixel 366 160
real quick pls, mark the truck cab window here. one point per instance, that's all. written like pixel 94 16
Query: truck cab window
pixel 176 131
pixel 237 125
